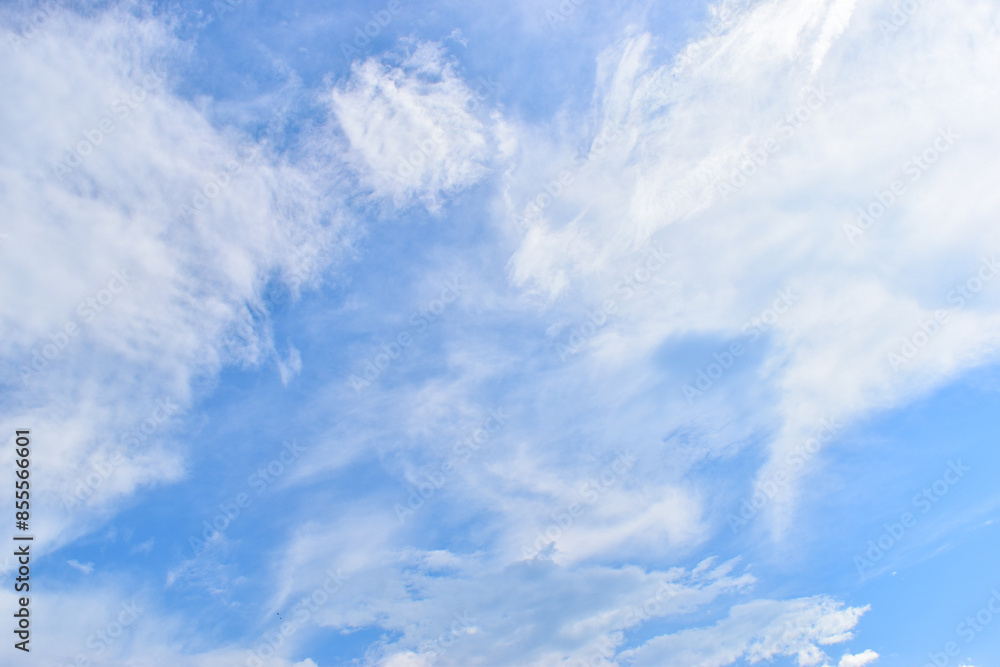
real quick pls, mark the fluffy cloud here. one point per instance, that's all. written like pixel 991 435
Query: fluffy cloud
pixel 859 660
pixel 417 131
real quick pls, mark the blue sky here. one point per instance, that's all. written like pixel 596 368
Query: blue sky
pixel 580 333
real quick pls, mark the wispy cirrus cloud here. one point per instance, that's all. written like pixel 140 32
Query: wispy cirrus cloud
pixel 139 294
pixel 736 160
pixel 817 89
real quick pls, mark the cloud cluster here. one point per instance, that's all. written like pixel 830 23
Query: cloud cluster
pixel 138 235
pixel 747 155
pixel 414 128
pixel 141 240
pixel 758 631
pixel 451 609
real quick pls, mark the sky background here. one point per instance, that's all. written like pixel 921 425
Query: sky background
pixel 535 333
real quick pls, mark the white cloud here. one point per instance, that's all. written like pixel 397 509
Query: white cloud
pixel 859 660
pixel 451 608
pixel 144 547
pixel 690 125
pixel 137 236
pixel 86 568
pixel 414 138
pixel 414 127
pixel 290 367
pixel 406 659
pixel 756 631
